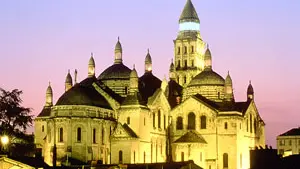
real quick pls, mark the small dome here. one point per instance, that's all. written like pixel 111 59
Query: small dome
pixel 148 58
pixel 116 71
pixel 228 80
pixel 250 90
pixel 49 89
pixel 207 77
pixel 69 78
pixel 118 47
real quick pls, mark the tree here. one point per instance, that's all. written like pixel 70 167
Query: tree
pixel 14 120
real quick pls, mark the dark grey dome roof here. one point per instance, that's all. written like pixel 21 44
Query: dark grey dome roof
pixel 84 93
pixel 115 71
pixel 207 77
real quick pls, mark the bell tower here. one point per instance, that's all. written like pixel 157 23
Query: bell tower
pixel 189 48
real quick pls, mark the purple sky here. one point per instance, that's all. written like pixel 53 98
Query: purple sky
pixel 255 40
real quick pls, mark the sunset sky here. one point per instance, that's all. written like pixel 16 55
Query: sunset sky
pixel 253 39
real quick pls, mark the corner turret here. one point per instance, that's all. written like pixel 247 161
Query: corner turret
pixel 148 63
pixel 207 59
pixel 250 92
pixel 228 89
pixel 49 96
pixel 133 82
pixel 91 66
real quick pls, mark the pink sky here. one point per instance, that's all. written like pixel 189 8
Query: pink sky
pixel 254 40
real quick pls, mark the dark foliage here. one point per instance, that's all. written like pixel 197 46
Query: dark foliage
pixel 14 120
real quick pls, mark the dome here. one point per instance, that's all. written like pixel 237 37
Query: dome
pixel 116 71
pixel 207 77
pixel 84 93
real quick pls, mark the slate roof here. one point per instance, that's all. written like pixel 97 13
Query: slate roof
pixel 84 93
pixel 189 13
pixel 191 137
pixel 133 99
pixel 116 71
pixel 207 77
pixel 129 131
pixel 45 112
pixel 292 132
pixel 148 84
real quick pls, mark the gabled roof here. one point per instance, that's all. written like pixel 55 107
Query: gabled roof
pixel 124 131
pixel 134 99
pixel 191 137
pixel 292 132
pixel 129 131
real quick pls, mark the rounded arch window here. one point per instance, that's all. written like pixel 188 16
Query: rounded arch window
pixel 191 121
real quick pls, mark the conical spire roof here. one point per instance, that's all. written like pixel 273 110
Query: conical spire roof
pixel 118 47
pixel 189 13
pixel 207 60
pixel 228 80
pixel 92 61
pixel 148 58
pixel 69 78
pixel 133 73
pixel 250 90
pixel 49 89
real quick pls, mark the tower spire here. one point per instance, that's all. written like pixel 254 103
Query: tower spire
pixel 148 62
pixel 91 66
pixel 118 52
pixel 189 20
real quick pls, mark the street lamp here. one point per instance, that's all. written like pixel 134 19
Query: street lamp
pixel 4 140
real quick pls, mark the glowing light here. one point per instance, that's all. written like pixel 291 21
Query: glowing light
pixel 4 140
pixel 189 26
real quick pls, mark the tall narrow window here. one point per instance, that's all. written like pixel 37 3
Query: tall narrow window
pixel 154 120
pixel 191 121
pixel 78 134
pixel 178 64
pixel 200 156
pixel 225 160
pixel 128 120
pixel 103 135
pixel 179 125
pixel 184 79
pixel 241 160
pixel 192 63
pixel 185 63
pixel 185 50
pixel 178 50
pixel 61 134
pixel 144 157
pixel 159 119
pixel 182 156
pixel 144 121
pixel 192 49
pixel 42 128
pixel 134 157
pixel 203 122
pixel 94 135
pixel 151 152
pixel 225 125
pixel 254 126
pixel 126 90
pixel 250 123
pixel 120 157
pixel 247 124
pixel 219 95
pixel 164 121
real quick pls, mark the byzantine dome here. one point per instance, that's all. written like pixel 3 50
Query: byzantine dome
pixel 84 93
pixel 207 77
pixel 115 72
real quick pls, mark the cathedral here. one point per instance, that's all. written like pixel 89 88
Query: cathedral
pixel 120 117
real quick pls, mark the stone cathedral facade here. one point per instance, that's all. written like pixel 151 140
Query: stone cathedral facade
pixel 121 117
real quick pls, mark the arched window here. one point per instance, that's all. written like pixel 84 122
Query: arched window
pixel 178 64
pixel 120 157
pixel 185 50
pixel 192 49
pixel 128 120
pixel 134 157
pixel 78 134
pixel 61 134
pixel 179 125
pixel 225 160
pixel 144 157
pixel 191 121
pixel 94 135
pixel 250 123
pixel 42 128
pixel 185 63
pixel 182 156
pixel 225 125
pixel 159 119
pixel 203 122
pixel 103 135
